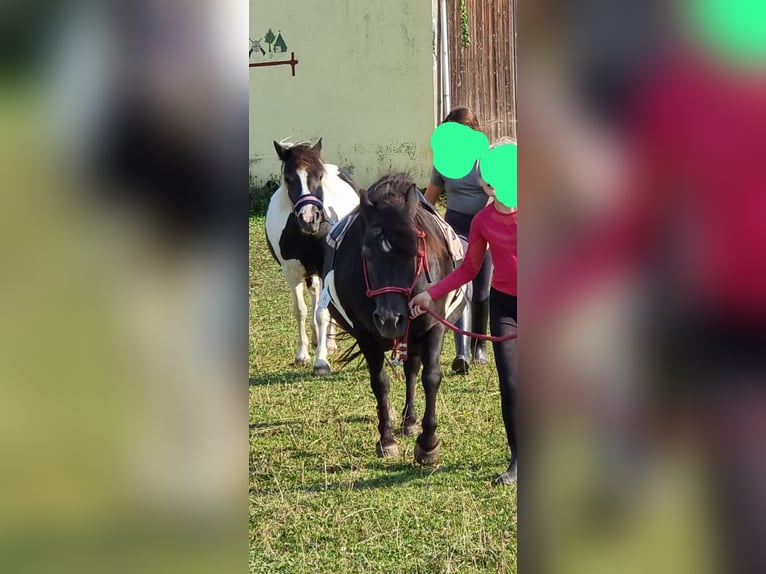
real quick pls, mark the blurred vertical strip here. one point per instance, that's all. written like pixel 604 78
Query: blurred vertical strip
pixel 123 291
pixel 643 285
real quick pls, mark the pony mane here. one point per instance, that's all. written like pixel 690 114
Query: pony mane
pixel 286 143
pixel 389 195
pixel 304 157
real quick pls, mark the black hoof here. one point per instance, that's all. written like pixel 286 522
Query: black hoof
pixel 461 365
pixel 411 429
pixel 387 451
pixel 427 457
pixel 508 477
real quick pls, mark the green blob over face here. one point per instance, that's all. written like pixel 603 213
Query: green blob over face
pixel 498 169
pixel 457 148
pixel 734 30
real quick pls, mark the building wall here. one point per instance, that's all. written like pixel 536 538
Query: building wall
pixel 482 74
pixel 364 83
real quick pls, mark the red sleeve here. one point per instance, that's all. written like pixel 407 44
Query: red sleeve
pixel 620 239
pixel 469 268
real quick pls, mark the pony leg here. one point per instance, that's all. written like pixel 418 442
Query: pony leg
pixel 427 446
pixel 410 424
pixel 332 345
pixel 381 385
pixel 299 312
pixel 320 322
pixel 316 286
pixel 321 365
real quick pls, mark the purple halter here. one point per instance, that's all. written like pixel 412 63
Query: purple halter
pixel 308 199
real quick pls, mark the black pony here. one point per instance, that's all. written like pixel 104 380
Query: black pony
pixel 393 250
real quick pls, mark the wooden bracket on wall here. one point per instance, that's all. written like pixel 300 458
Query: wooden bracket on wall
pixel 292 62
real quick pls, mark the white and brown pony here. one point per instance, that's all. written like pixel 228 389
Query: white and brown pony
pixel 312 197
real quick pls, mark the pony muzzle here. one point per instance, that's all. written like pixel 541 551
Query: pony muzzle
pixel 390 324
pixel 309 211
pixel 309 220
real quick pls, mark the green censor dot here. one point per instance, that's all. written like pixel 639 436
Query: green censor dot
pixel 456 148
pixel 735 29
pixel 498 169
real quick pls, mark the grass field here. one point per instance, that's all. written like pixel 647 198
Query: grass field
pixel 320 500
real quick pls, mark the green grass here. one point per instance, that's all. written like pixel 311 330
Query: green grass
pixel 320 500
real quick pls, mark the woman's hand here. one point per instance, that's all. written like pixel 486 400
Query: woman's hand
pixel 418 302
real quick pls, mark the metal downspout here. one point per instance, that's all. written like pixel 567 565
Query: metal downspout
pixel 446 104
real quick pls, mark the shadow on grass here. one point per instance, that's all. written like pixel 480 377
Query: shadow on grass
pixel 286 377
pixel 274 424
pixel 388 481
pixel 280 378
pixel 396 474
pixel 350 419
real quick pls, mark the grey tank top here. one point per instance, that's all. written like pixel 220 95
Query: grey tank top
pixel 465 194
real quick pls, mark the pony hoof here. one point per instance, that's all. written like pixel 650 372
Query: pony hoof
pixel 388 451
pixel 411 429
pixel 322 368
pixel 427 457
pixel 332 349
pixel 461 365
pixel 302 361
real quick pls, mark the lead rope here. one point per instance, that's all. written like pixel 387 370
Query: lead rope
pixel 469 333
pixel 399 352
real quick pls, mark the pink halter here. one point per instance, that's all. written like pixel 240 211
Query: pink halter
pixel 399 352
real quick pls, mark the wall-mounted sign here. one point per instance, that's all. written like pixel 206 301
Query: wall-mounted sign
pixel 269 50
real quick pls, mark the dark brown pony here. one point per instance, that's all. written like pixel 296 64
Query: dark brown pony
pixel 392 251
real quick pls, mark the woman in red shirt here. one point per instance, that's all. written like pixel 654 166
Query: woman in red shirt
pixel 494 226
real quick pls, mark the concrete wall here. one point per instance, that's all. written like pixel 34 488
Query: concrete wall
pixel 364 83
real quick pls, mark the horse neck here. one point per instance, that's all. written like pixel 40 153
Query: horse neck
pixel 337 193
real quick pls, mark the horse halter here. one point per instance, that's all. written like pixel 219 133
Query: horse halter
pixel 399 352
pixel 308 199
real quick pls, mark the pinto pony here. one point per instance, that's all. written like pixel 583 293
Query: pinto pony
pixel 394 249
pixel 313 195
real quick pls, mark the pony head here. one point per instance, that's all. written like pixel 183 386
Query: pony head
pixel 392 250
pixel 302 173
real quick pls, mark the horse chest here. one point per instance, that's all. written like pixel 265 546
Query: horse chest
pixel 304 254
pixel 288 243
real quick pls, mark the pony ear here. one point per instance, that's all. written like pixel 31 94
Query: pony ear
pixel 365 204
pixel 318 146
pixel 281 150
pixel 413 200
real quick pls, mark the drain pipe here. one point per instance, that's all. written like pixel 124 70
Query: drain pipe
pixel 446 106
pixel 514 42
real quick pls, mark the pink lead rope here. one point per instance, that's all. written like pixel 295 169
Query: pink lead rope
pixel 399 352
pixel 468 333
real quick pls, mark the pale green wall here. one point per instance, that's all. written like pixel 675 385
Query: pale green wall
pixel 365 84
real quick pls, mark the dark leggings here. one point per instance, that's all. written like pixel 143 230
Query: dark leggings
pixel 502 321
pixel 461 223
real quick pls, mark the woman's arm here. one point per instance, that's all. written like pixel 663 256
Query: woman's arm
pixel 468 269
pixel 433 191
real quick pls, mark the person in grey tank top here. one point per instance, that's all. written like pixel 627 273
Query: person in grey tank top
pixel 465 198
